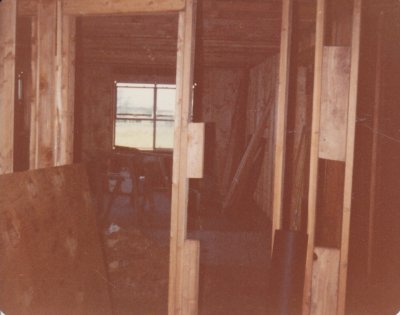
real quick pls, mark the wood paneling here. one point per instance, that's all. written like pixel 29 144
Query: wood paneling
pixel 334 103
pixel 50 246
pixel 8 22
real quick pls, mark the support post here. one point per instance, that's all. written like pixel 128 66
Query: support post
pixel 348 179
pixel 180 178
pixel 8 22
pixel 281 113
pixel 314 153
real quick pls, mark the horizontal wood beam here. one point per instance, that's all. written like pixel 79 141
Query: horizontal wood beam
pixel 101 7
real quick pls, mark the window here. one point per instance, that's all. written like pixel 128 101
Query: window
pixel 144 116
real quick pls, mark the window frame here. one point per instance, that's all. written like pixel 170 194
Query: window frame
pixel 155 87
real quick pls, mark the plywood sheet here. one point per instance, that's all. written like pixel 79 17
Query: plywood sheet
pixel 334 103
pixel 325 281
pixel 51 260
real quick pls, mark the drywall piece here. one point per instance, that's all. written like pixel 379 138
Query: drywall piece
pixel 314 150
pixel 334 103
pixel 325 281
pixel 8 23
pixel 180 181
pixel 281 115
pixel 91 7
pixel 51 259
pixel 348 179
pixel 191 277
pixel 196 132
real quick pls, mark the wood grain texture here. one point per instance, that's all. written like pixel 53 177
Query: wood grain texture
pixel 44 124
pixel 325 281
pixel 334 103
pixel 50 247
pixel 191 277
pixel 313 177
pixel 348 179
pixel 180 181
pixel 281 115
pixel 101 7
pixel 196 150
pixel 8 22
pixel 65 92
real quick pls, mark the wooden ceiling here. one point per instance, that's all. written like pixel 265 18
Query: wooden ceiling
pixel 230 33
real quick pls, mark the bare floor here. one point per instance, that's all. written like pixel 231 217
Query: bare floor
pixel 233 264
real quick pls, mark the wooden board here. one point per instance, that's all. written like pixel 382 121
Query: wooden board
pixel 65 88
pixel 196 150
pixel 313 177
pixel 334 103
pixel 90 7
pixel 8 17
pixel 325 281
pixel 281 115
pixel 51 260
pixel 191 277
pixel 348 179
pixel 180 181
pixel 45 109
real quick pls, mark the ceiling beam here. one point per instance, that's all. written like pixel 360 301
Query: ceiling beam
pixel 106 7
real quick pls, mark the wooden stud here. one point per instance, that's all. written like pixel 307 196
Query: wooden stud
pixel 65 87
pixel 180 182
pixel 33 100
pixel 325 281
pixel 348 181
pixel 196 150
pixel 191 277
pixel 313 177
pixel 45 84
pixel 281 113
pixel 92 7
pixel 374 149
pixel 8 24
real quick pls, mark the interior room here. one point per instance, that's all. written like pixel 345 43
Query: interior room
pixel 208 157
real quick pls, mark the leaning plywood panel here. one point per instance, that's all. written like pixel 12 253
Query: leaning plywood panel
pixel 334 103
pixel 8 16
pixel 51 260
pixel 325 281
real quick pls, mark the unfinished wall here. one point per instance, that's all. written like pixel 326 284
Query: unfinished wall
pixel 219 101
pixel 262 93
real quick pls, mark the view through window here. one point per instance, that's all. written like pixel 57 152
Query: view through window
pixel 144 116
